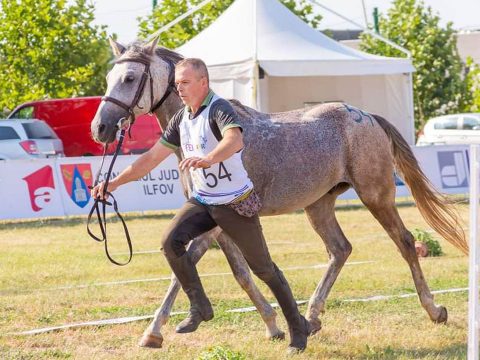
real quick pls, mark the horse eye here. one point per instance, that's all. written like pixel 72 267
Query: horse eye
pixel 129 78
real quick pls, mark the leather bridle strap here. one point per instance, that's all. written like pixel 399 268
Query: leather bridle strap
pixel 170 88
pixel 101 216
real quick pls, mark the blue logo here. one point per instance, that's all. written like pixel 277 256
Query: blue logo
pixel 453 169
pixel 77 178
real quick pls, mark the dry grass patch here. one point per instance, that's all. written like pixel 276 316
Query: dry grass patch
pixel 38 256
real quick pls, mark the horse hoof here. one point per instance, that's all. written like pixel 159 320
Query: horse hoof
pixel 314 326
pixel 443 317
pixel 151 341
pixel 279 335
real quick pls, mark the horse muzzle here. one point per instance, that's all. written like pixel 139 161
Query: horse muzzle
pixel 104 132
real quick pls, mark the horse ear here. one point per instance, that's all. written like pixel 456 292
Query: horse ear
pixel 152 45
pixel 117 48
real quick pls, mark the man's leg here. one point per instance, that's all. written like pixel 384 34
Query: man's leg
pixel 191 221
pixel 247 235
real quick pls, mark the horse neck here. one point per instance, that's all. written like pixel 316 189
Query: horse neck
pixel 165 112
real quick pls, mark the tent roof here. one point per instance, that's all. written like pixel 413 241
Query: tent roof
pixel 284 45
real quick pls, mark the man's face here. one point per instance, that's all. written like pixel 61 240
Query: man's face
pixel 192 86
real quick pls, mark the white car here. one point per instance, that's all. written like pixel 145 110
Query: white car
pixel 28 139
pixel 451 129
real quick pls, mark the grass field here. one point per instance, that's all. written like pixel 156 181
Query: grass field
pixel 39 256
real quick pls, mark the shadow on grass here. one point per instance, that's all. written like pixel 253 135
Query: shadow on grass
pixel 454 351
pixel 78 220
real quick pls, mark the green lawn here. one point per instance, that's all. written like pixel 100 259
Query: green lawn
pixel 39 256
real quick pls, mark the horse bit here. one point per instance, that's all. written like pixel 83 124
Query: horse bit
pixel 101 216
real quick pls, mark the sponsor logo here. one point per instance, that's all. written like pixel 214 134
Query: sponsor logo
pixel 40 187
pixel 77 178
pixel 453 169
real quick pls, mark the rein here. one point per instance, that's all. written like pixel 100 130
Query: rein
pixel 101 215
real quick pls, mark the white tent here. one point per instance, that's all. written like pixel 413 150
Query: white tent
pixel 262 54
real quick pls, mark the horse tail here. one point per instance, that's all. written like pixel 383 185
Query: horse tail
pixel 434 207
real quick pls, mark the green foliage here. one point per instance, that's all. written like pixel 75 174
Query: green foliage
pixel 473 84
pixel 438 85
pixel 177 35
pixel 433 246
pixel 50 49
pixel 221 353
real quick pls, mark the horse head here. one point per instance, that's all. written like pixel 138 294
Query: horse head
pixel 136 85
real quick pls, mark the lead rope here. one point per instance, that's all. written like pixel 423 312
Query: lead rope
pixel 101 217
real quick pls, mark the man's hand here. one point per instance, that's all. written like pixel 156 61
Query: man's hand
pixel 195 162
pixel 97 191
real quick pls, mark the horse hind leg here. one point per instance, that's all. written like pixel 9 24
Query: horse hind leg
pixel 243 276
pixel 152 336
pixel 321 215
pixel 379 197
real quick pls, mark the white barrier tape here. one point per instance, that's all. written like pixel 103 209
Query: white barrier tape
pixel 388 297
pixel 142 252
pixel 253 308
pixel 163 278
pixel 116 321
pixel 124 320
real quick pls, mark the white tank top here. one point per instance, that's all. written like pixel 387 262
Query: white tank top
pixel 221 183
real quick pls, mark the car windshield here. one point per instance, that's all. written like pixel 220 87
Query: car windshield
pixel 471 123
pixel 38 130
pixel 449 123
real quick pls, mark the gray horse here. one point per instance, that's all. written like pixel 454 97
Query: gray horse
pixel 301 159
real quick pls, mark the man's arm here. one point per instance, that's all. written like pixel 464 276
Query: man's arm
pixel 140 167
pixel 231 143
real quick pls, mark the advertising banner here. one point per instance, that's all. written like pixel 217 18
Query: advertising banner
pixel 58 187
pixel 446 166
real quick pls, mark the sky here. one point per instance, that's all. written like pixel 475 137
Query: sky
pixel 120 16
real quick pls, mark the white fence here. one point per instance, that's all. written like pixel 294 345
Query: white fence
pixel 58 187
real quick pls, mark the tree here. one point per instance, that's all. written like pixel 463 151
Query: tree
pixel 437 83
pixel 169 10
pixel 473 85
pixel 49 49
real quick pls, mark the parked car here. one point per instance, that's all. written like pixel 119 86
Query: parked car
pixel 71 118
pixel 451 129
pixel 26 139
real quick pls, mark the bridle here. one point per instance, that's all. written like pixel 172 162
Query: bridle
pixel 141 88
pixel 101 216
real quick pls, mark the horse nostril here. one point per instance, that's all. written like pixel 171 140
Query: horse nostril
pixel 101 128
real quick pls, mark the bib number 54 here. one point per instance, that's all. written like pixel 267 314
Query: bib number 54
pixel 212 179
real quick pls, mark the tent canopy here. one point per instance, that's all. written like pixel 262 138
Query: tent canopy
pixel 268 32
pixel 301 66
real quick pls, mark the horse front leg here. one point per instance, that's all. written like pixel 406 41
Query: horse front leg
pixel 321 215
pixel 152 336
pixel 242 274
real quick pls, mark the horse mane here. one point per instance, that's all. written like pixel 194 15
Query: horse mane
pixel 136 50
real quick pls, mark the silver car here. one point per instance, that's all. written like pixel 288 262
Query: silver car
pixel 28 139
pixel 451 129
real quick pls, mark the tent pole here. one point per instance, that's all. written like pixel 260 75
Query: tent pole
pixel 255 59
pixel 255 90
